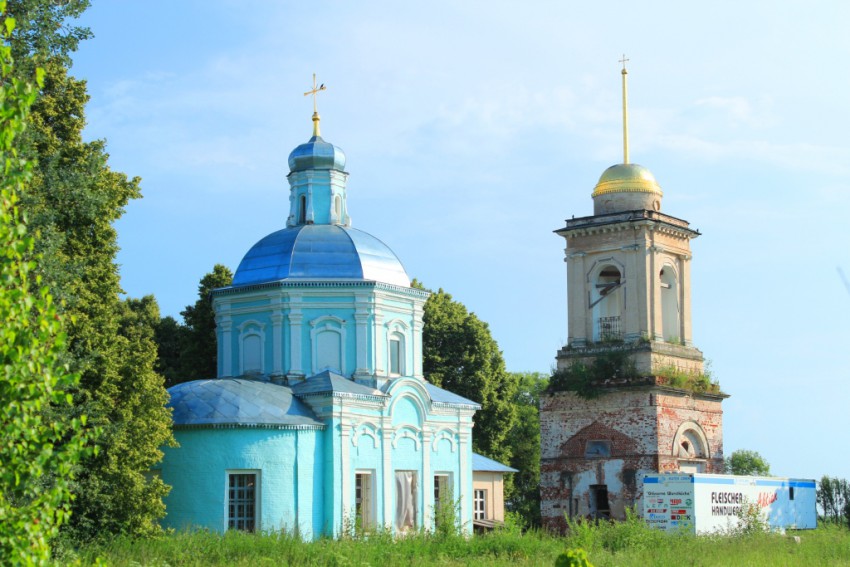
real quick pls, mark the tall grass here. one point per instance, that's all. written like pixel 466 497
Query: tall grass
pixel 625 544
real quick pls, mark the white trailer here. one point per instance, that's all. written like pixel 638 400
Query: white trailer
pixel 706 503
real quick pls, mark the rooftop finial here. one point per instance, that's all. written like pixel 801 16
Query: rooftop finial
pixel 314 91
pixel 625 112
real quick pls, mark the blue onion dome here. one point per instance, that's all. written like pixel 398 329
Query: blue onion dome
pixel 323 252
pixel 236 402
pixel 316 154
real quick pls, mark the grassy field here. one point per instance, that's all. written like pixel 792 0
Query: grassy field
pixel 623 544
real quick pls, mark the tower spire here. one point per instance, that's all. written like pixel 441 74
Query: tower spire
pixel 314 91
pixel 624 73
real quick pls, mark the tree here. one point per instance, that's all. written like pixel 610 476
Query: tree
pixel 524 442
pixel 460 355
pixel 833 496
pixel 170 338
pixel 199 357
pixel 118 494
pixel 747 463
pixel 36 453
pixel 72 202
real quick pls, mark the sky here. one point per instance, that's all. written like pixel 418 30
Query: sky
pixel 474 129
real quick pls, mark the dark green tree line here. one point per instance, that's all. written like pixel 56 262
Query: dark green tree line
pixel 524 441
pixel 189 351
pixel 460 355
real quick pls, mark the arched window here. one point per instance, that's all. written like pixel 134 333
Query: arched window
pixel 252 354
pixel 670 321
pixel 607 304
pixel 396 354
pixel 690 447
pixel 338 208
pixel 328 351
pixel 302 210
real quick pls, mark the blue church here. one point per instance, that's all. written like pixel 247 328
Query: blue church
pixel 320 418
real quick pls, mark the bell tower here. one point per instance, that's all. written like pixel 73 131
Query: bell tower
pixel 630 394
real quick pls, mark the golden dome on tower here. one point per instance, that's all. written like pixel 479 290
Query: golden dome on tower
pixel 626 178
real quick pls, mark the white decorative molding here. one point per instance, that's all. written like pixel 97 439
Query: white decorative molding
pixel 447 434
pixel 327 324
pixel 407 432
pixel 368 429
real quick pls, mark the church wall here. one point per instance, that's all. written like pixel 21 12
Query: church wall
pixel 675 410
pixel 284 322
pixel 624 422
pixel 284 459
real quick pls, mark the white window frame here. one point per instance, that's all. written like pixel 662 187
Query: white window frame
pixel 438 495
pixel 364 504
pixel 479 504
pixel 257 500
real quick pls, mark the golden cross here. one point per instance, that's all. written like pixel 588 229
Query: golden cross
pixel 315 90
pixel 623 61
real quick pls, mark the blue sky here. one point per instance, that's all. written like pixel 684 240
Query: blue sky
pixel 473 129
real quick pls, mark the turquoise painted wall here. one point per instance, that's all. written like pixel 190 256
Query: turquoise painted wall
pixel 290 499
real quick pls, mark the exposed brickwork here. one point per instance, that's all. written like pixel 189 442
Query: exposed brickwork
pixel 639 426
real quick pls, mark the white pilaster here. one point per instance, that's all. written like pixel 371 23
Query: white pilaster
pixel 361 320
pixel 225 323
pixel 277 342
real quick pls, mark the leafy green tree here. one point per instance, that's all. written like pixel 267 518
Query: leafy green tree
pixel 170 338
pixel 833 496
pixel 747 463
pixel 460 355
pixel 200 353
pixel 524 442
pixel 37 454
pixel 72 202
pixel 118 493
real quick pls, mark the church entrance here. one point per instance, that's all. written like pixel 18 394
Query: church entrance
pixel 405 500
pixel 599 506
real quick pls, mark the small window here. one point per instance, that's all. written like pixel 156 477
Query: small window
pixel 480 505
pixel 363 499
pixel 597 449
pixel 791 493
pixel 302 210
pixel 242 501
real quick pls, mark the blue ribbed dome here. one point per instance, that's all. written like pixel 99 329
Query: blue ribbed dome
pixel 316 154
pixel 236 401
pixel 320 251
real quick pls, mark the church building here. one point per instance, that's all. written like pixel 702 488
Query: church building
pixel 320 420
pixel 630 395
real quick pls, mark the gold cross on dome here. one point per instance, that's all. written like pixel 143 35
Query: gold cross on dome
pixel 315 90
pixel 624 61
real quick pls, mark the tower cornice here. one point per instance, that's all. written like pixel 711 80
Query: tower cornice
pixel 615 222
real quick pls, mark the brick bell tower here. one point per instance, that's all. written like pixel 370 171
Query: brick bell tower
pixel 630 395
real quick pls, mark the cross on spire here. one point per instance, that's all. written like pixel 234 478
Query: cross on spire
pixel 624 61
pixel 315 91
